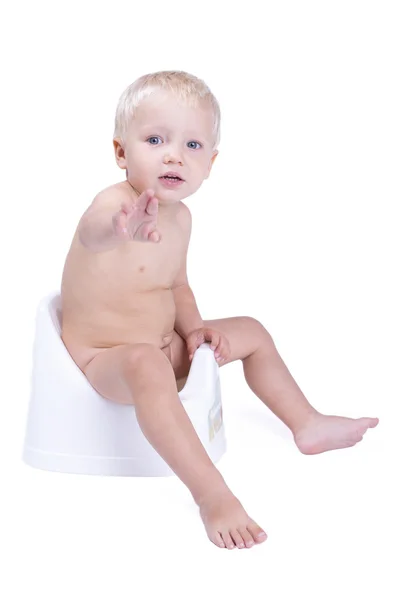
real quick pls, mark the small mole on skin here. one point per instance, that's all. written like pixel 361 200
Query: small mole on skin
pixel 141 269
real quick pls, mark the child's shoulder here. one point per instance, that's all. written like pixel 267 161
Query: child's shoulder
pixel 183 211
pixel 184 217
pixel 112 195
pixel 118 190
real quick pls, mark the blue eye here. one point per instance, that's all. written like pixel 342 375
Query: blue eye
pixel 153 137
pixel 194 148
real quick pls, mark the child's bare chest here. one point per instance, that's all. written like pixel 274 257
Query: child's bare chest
pixel 133 267
pixel 149 265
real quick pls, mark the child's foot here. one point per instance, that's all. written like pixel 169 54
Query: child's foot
pixel 327 432
pixel 227 523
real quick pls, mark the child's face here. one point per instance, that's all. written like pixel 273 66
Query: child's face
pixel 168 136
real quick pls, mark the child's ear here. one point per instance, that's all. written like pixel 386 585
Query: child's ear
pixel 214 156
pixel 119 153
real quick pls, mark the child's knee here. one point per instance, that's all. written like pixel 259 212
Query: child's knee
pixel 147 363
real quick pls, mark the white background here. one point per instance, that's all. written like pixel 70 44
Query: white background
pixel 296 227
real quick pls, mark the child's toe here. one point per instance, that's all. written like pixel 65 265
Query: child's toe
pixel 247 537
pixel 229 543
pixel 218 540
pixel 237 538
pixel 257 533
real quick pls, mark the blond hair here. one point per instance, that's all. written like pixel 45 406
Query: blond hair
pixel 188 88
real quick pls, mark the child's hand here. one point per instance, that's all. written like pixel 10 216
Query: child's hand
pixel 138 221
pixel 219 343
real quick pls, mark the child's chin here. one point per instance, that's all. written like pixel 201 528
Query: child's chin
pixel 170 196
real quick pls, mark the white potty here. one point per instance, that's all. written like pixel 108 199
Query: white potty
pixel 72 429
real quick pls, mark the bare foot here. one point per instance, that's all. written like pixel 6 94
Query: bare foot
pixel 328 432
pixel 227 523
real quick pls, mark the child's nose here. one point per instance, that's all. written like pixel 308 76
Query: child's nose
pixel 173 157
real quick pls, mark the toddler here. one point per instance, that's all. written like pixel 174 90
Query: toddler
pixel 130 320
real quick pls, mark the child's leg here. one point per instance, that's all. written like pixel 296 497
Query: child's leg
pixel 270 379
pixel 141 374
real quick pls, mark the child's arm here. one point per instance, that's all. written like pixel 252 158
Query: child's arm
pixel 187 316
pixel 95 229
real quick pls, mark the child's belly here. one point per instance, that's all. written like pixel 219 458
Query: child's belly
pixel 147 318
pixel 90 328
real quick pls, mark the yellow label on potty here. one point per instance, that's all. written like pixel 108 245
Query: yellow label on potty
pixel 215 418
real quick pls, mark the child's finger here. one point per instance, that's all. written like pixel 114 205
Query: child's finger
pixel 220 353
pixel 126 207
pixel 215 339
pixel 223 349
pixel 144 199
pixel 191 353
pixel 191 348
pixel 152 206
pixel 121 223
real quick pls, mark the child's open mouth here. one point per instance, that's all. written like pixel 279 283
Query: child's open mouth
pixel 171 180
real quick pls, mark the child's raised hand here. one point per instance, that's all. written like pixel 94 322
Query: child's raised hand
pixel 138 221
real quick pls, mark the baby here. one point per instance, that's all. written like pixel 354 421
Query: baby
pixel 130 320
